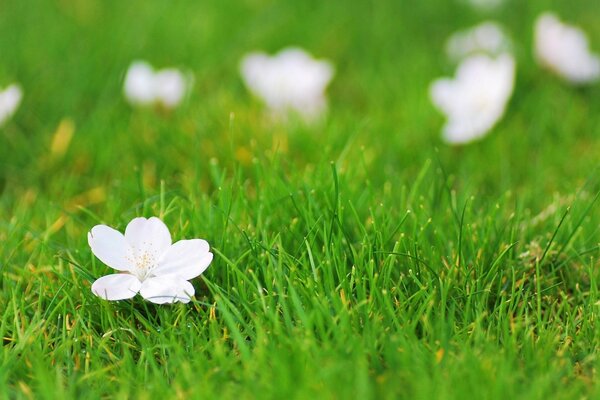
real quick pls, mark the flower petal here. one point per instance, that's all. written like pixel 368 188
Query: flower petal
pixel 116 287
pixel 186 259
pixel 167 289
pixel 139 84
pixel 170 85
pixel 110 247
pixel 10 99
pixel 148 236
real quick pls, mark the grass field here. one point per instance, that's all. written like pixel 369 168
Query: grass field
pixel 360 257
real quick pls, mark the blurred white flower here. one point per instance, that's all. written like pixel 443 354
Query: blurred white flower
pixel 487 37
pixel 144 86
pixel 476 98
pixel 564 49
pixel 10 98
pixel 148 262
pixel 289 81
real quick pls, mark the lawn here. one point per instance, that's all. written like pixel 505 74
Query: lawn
pixel 356 257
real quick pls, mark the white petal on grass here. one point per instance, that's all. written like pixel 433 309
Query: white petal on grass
pixel 10 98
pixel 148 236
pixel 186 259
pixel 139 84
pixel 110 247
pixel 170 87
pixel 564 49
pixel 487 37
pixel 116 287
pixel 144 86
pixel 289 81
pixel 167 289
pixel 475 100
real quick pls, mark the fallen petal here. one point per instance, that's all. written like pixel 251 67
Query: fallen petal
pixel 186 259
pixel 167 289
pixel 116 287
pixel 110 247
pixel 148 236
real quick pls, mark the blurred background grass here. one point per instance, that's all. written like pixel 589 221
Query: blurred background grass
pixel 70 57
pixel 249 186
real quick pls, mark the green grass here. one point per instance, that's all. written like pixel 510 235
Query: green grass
pixel 358 258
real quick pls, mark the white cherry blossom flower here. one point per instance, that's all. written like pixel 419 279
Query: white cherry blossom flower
pixel 147 262
pixel 564 49
pixel 10 98
pixel 487 37
pixel 289 81
pixel 144 86
pixel 475 100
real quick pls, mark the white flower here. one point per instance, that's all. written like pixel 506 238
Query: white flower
pixel 476 99
pixel 148 262
pixel 144 86
pixel 487 37
pixel 10 98
pixel 288 81
pixel 564 49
